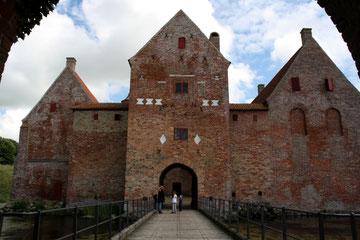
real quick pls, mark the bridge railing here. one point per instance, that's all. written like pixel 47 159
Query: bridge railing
pixel 262 221
pixel 100 220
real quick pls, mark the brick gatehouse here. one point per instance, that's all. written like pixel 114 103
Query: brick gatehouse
pixel 296 145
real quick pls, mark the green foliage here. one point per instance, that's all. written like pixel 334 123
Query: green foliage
pixel 8 150
pixel 19 206
pixel 6 173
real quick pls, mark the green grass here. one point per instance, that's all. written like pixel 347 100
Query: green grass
pixel 6 173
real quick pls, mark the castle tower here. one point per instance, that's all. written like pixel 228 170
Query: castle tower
pixel 178 128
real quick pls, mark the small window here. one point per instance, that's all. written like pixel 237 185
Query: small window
pixel 329 84
pixel 53 107
pixel 235 117
pixel 295 84
pixel 96 116
pixel 255 118
pixel 182 43
pixel 117 117
pixel 180 134
pixel 181 87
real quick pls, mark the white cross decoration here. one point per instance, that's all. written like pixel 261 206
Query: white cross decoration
pixel 217 77
pixel 158 102
pixel 205 102
pixel 214 103
pixel 149 101
pixel 140 101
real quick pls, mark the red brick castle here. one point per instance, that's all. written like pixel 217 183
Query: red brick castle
pixel 296 145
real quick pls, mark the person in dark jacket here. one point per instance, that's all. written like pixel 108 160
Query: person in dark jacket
pixel 161 198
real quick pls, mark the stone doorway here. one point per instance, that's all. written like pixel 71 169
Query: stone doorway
pixel 181 179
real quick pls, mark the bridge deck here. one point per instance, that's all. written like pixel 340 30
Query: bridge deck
pixel 187 224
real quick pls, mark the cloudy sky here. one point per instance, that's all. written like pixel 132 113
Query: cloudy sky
pixel 257 36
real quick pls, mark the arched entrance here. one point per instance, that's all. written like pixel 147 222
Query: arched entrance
pixel 181 179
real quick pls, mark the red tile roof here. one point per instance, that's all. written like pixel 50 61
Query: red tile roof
pixel 101 106
pixel 248 107
pixel 86 89
pixel 266 92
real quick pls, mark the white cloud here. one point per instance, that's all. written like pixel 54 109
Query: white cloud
pixel 10 122
pixel 121 28
pixel 241 77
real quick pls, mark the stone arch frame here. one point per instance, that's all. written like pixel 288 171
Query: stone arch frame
pixel 194 181
pixel 334 125
pixel 301 114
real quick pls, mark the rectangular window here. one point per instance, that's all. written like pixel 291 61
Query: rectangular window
pixel 52 107
pixel 117 117
pixel 235 117
pixel 329 83
pixel 295 84
pixel 96 116
pixel 181 43
pixel 181 87
pixel 180 133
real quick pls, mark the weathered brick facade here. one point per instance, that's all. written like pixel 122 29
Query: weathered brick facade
pixel 297 144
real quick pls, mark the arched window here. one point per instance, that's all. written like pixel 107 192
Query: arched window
pixel 298 123
pixel 333 121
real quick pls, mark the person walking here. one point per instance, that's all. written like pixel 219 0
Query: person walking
pixel 180 202
pixel 174 202
pixel 161 198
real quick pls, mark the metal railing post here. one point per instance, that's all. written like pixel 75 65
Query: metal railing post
pixel 354 233
pixel 75 222
pixel 321 227
pixel 1 221
pixel 110 220
pixel 37 223
pixel 247 221
pixel 262 223
pixel 119 217
pixel 96 220
pixel 127 213
pixel 229 203
pixel 283 223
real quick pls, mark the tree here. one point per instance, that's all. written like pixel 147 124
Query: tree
pixel 8 150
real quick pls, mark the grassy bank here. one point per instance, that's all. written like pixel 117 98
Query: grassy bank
pixel 6 173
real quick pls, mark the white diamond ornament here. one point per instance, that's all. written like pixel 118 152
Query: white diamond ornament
pixel 158 102
pixel 140 101
pixel 214 103
pixel 162 139
pixel 197 139
pixel 205 102
pixel 149 101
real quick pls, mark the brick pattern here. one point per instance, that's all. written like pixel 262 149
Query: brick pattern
pixel 301 149
pixel 8 30
pixel 41 167
pixel 155 70
pixel 311 169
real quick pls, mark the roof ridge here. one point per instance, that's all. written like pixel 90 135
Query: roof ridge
pixel 266 92
pixel 85 88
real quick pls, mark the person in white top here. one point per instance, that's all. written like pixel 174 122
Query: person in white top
pixel 174 202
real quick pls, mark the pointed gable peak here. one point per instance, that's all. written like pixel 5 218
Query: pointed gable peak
pixel 183 23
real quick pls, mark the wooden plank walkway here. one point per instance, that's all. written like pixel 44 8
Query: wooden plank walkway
pixel 187 224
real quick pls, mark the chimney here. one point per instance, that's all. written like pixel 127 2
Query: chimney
pixel 215 39
pixel 305 35
pixel 71 63
pixel 260 88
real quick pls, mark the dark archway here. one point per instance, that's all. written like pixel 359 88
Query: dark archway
pixel 194 181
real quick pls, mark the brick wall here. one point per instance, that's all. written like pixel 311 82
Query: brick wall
pixel 98 150
pixel 155 70
pixel 41 167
